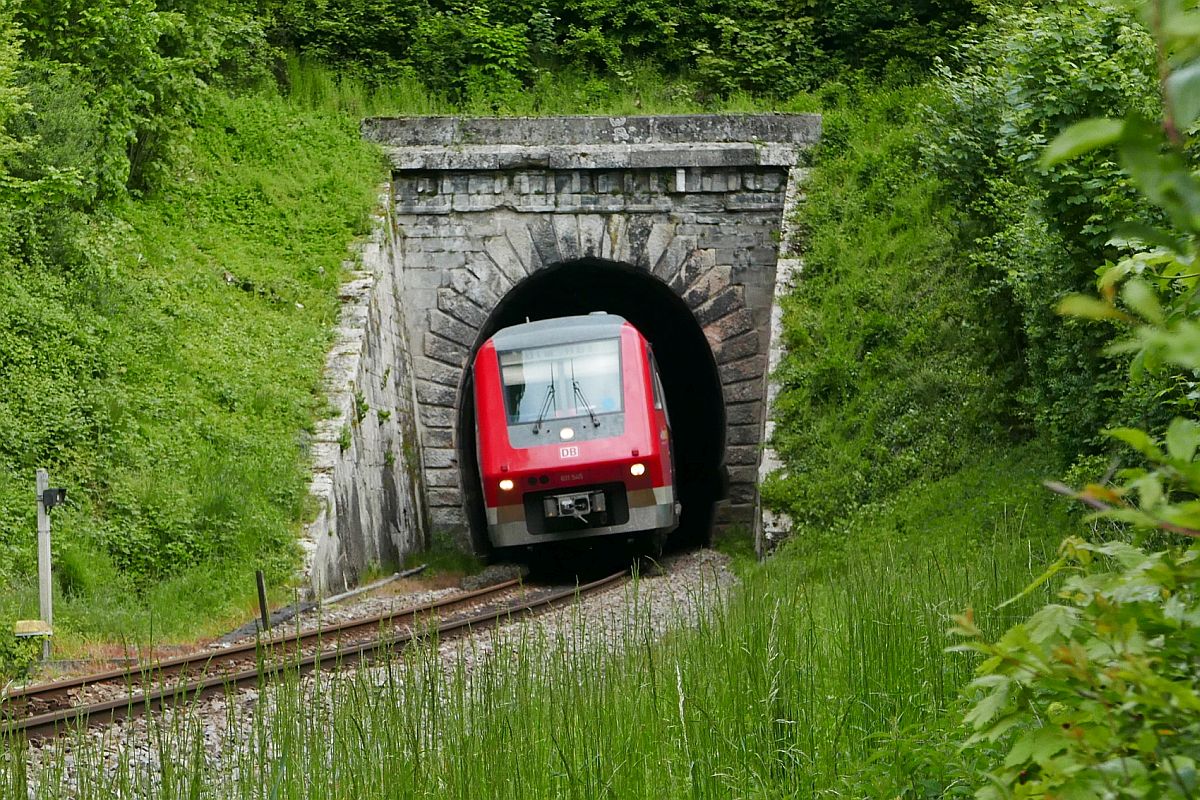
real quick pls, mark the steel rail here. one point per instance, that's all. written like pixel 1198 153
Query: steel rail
pixel 48 725
pixel 202 661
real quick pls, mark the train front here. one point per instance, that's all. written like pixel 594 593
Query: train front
pixel 572 433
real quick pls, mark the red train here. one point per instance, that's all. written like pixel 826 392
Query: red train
pixel 572 433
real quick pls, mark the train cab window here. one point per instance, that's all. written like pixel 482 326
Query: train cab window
pixel 562 380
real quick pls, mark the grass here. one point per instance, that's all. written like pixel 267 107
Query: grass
pixel 564 91
pixel 887 377
pixel 825 675
pixel 213 322
pixel 187 362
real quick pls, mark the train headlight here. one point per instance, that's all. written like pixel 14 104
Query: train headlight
pixel 637 469
pixel 506 485
pixel 566 434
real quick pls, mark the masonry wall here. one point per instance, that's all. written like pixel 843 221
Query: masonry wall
pixel 367 483
pixel 475 207
pixel 467 238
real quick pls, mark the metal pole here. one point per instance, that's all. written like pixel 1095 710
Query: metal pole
pixel 45 595
pixel 262 600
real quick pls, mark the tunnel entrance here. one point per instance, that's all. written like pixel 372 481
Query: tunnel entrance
pixel 685 359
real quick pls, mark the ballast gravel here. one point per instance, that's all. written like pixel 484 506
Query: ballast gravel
pixel 687 586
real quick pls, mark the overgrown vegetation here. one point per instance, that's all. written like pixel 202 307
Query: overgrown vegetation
pixel 180 181
pixel 813 681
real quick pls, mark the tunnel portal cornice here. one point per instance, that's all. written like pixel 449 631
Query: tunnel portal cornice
pixel 798 130
pixel 696 203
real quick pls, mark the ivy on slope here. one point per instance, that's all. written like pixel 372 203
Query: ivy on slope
pixel 169 379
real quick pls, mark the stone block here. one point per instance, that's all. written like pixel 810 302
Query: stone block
pixel 461 308
pixel 504 259
pixel 742 455
pixel 519 239
pixel 743 369
pixel 735 514
pixel 721 305
pixel 706 286
pixel 728 327
pixel 444 350
pixel 743 494
pixel 544 240
pixel 439 458
pixel 743 413
pixel 744 391
pixel 438 437
pixel 747 473
pixel 436 394
pixel 591 235
pixel 443 498
pixel 436 416
pixel 743 434
pixel 566 232
pixel 446 478
pixel 451 329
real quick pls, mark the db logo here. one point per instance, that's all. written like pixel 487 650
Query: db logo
pixel 568 452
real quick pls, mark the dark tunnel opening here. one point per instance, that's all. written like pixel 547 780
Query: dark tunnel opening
pixel 688 370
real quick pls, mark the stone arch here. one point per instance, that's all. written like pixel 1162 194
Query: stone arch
pixel 691 375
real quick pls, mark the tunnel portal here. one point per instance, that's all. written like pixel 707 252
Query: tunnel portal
pixel 689 373
pixel 681 224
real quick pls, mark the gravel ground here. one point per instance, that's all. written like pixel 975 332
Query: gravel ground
pixel 690 582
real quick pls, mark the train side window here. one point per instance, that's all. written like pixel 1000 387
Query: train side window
pixel 659 394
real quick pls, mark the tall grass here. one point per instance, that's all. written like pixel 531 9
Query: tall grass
pixel 821 676
pixel 641 90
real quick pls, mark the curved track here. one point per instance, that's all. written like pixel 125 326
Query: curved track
pixel 42 711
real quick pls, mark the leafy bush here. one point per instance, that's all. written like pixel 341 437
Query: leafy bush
pixel 1099 695
pixel 479 48
pixel 885 378
pixel 17 655
pixel 170 399
pixel 1033 235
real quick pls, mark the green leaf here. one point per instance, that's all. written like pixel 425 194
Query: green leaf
pixel 987 708
pixel 1183 436
pixel 1050 572
pixel 1080 138
pixel 1082 305
pixel 1050 620
pixel 1141 298
pixel 1036 746
pixel 1183 93
pixel 1139 440
pixel 1147 234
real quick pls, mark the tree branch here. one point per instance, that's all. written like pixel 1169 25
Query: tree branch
pixel 1093 502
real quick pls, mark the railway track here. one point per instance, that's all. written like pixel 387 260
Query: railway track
pixel 42 711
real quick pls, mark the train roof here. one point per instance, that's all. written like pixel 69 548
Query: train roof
pixel 560 330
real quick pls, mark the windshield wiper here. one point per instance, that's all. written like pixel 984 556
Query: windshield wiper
pixel 579 393
pixel 537 426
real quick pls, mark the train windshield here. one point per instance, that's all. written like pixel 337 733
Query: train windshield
pixel 562 380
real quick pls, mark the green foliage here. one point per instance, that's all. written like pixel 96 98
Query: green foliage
pixel 1029 234
pixel 1098 695
pixel 17 655
pixel 472 49
pixel 756 47
pixel 464 53
pixel 885 379
pixel 170 388
pixel 815 678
